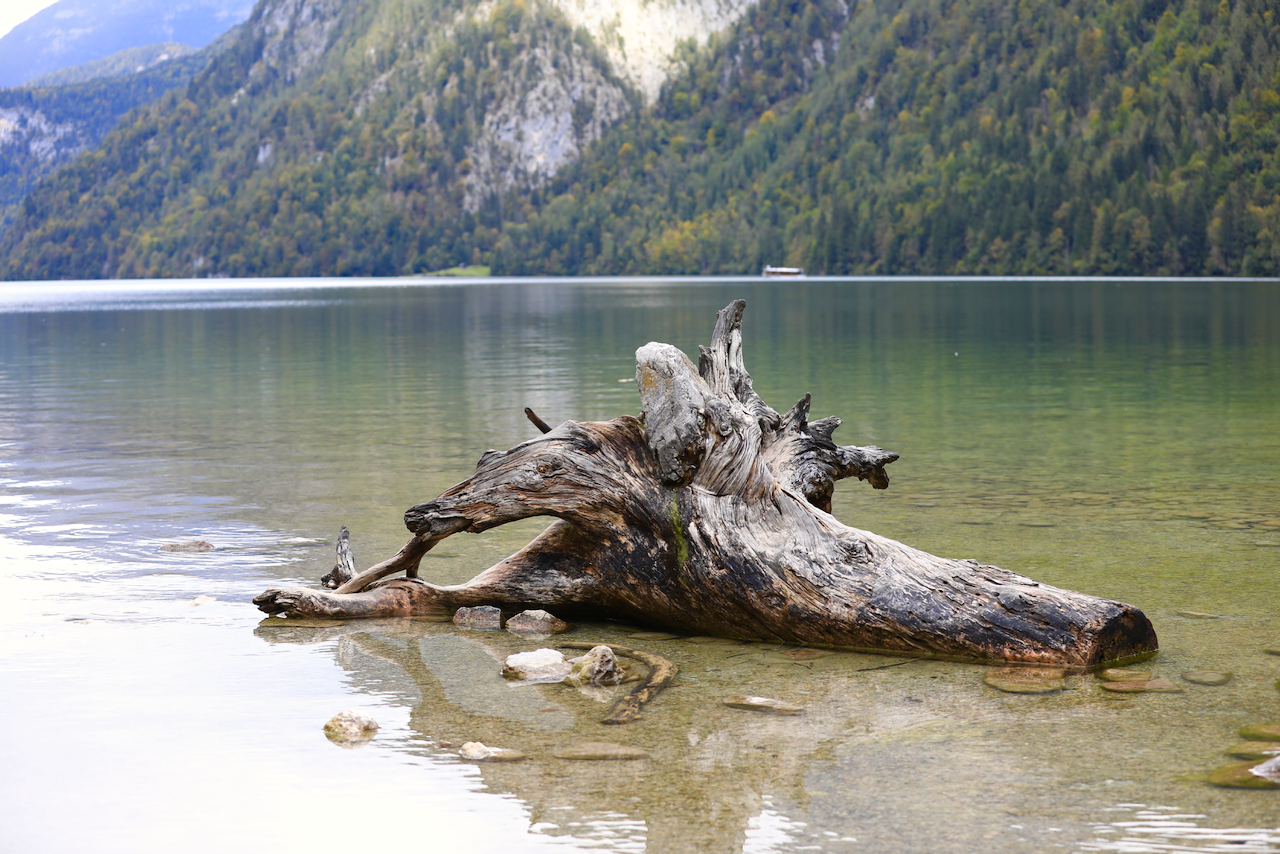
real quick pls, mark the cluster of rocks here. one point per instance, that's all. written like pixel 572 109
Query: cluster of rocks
pixel 1261 752
pixel 530 623
pixel 598 667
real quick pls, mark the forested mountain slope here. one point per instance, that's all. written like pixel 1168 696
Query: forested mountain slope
pixel 890 136
pixel 45 127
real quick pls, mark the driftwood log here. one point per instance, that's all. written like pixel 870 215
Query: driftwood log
pixel 711 514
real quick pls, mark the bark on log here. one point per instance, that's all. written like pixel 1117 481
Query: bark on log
pixel 710 514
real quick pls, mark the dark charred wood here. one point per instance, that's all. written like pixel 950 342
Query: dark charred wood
pixel 536 421
pixel 710 514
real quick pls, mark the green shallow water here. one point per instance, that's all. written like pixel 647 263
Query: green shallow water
pixel 1118 438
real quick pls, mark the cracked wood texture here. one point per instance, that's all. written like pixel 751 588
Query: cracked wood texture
pixel 710 514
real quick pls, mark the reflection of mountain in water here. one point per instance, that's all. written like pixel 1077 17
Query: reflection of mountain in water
pixel 894 754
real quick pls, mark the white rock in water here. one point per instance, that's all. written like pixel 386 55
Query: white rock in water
pixel 541 665
pixel 350 727
pixel 478 752
pixel 1269 770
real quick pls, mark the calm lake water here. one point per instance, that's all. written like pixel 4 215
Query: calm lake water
pixel 1118 438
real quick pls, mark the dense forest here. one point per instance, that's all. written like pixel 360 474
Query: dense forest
pixel 51 124
pixel 1134 137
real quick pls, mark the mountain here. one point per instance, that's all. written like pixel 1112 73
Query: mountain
pixel 131 60
pixel 692 136
pixel 75 32
pixel 45 127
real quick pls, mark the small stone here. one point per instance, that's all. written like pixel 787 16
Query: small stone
pixel 1116 674
pixel 600 750
pixel 350 728
pixel 484 617
pixel 536 623
pixel 1152 686
pixel 1271 650
pixel 599 666
pixel 477 752
pixel 540 665
pixel 653 636
pixel 1197 615
pixel 1260 732
pixel 1240 775
pixel 193 547
pixel 1026 680
pixel 763 704
pixel 1255 750
pixel 1208 677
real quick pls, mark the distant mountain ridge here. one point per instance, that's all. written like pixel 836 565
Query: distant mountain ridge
pixel 74 32
pixel 1132 137
pixel 131 60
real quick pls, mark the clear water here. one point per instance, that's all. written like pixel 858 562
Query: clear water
pixel 1119 438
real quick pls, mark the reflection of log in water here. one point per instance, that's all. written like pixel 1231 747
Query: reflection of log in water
pixel 711 771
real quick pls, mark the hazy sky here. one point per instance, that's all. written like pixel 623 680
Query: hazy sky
pixel 14 12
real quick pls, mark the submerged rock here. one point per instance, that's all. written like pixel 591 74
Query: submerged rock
pixel 1208 677
pixel 1116 674
pixel 1242 775
pixel 1026 680
pixel 599 666
pixel 193 547
pixel 536 623
pixel 1256 750
pixel 1261 732
pixel 349 728
pixel 600 750
pixel 540 665
pixel 763 704
pixel 484 617
pixel 478 752
pixel 1153 686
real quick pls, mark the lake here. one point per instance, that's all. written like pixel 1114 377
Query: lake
pixel 1120 438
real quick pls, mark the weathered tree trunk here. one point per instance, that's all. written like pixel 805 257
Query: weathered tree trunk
pixel 710 514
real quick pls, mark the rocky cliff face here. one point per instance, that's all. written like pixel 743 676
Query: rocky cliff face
pixel 641 36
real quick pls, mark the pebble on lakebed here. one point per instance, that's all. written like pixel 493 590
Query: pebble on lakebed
pixel 349 728
pixel 1026 680
pixel 763 704
pixel 1208 677
pixel 600 750
pixel 478 752
pixel 193 547
pixel 1152 686
pixel 539 665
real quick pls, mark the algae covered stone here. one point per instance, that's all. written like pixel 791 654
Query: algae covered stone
pixel 1152 686
pixel 1240 775
pixel 1260 732
pixel 599 666
pixel 1256 750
